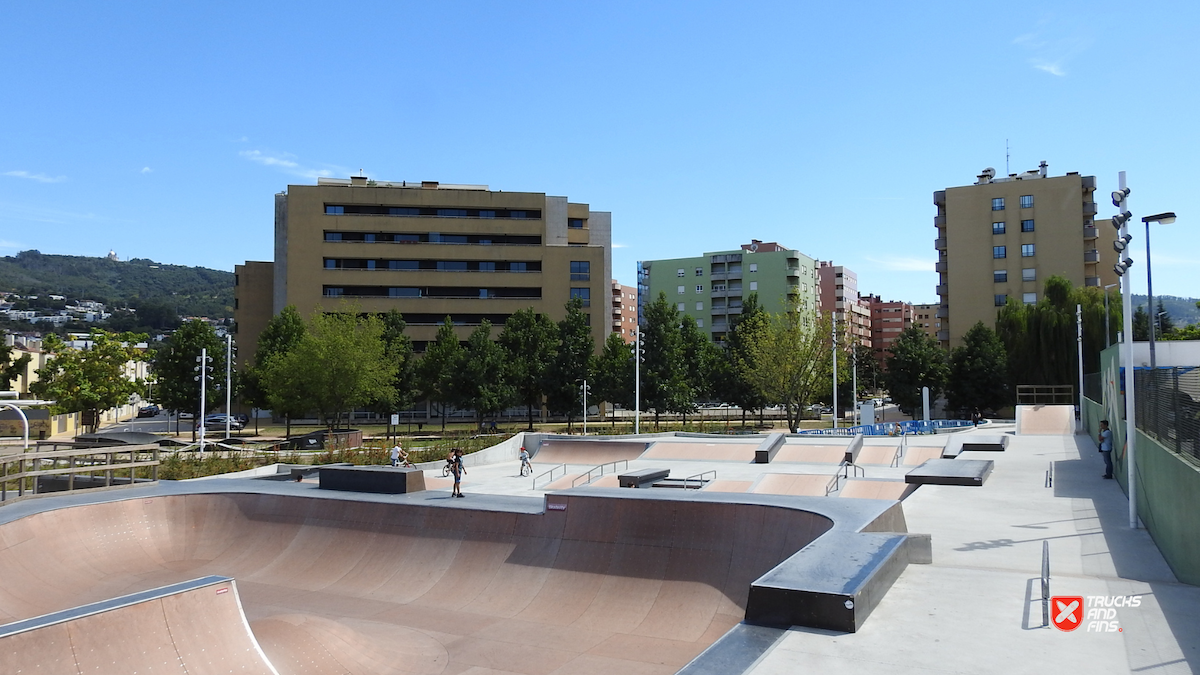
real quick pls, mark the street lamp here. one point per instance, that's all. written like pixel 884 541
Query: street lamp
pixel 1166 219
pixel 834 351
pixel 1120 199
pixel 637 381
pixel 1107 330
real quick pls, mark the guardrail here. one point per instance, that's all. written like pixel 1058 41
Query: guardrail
pixel 599 468
pixel 699 478
pixel 550 473
pixel 891 428
pixel 79 462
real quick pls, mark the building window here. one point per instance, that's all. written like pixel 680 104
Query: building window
pixel 699 323
pixel 1027 225
pixel 331 210
pixel 575 223
pixel 1027 201
pixel 681 306
pixel 699 288
pixel 754 285
pixel 1029 274
pixel 330 264
pixel 680 290
pixel 1026 250
pixel 699 271
pixel 997 228
pixel 581 270
pixel 699 306
pixel 584 294
pixel 998 204
pixel 753 267
pixel 332 292
pixel 999 276
pixel 999 252
pixel 679 272
pixel 1000 299
pixel 1029 298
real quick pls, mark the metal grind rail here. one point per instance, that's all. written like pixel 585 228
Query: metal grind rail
pixel 699 478
pixel 79 462
pixel 1045 584
pixel 599 468
pixel 560 467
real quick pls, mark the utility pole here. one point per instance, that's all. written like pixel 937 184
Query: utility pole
pixel 1079 345
pixel 637 381
pixel 835 343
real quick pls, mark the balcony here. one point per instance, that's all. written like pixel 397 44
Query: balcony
pixel 1089 209
pixel 1089 232
pixel 718 276
pixel 1092 281
pixel 939 266
pixel 939 197
pixel 942 313
pixel 1091 256
pixel 721 293
pixel 943 336
pixel 940 243
pixel 1089 182
pixel 941 289
pixel 939 221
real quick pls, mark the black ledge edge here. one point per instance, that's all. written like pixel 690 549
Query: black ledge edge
pixel 641 477
pixel 854 448
pixel 835 582
pixel 737 651
pixel 968 472
pixel 94 608
pixel 387 480
pixel 960 443
pixel 767 449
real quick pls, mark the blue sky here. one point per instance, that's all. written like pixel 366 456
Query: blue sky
pixel 162 130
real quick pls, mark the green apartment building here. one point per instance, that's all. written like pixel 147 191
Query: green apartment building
pixel 712 288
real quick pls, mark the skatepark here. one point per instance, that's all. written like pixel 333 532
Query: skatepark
pixel 757 554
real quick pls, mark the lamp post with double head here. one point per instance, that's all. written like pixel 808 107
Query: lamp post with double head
pixel 1121 223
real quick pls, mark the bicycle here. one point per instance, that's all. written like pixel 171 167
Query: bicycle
pixel 526 468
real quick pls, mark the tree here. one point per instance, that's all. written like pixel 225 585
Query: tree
pixel 978 372
pixel 614 373
pixel 747 329
pixel 572 363
pixel 343 363
pixel 1141 324
pixel 280 336
pixel 10 369
pixel 435 370
pixel 869 374
pixel 175 367
pixel 1163 325
pixel 664 382
pixel 90 379
pixel 789 360
pixel 529 340
pixel 398 349
pixel 1040 339
pixel 917 361
pixel 479 381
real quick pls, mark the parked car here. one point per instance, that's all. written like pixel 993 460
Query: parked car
pixel 217 423
pixel 187 416
pixel 148 411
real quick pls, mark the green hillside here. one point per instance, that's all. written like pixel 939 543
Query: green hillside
pixel 1182 310
pixel 190 291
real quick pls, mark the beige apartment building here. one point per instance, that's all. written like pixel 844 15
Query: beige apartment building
pixel 839 294
pixel 1001 238
pixel 428 250
pixel 624 311
pixel 925 318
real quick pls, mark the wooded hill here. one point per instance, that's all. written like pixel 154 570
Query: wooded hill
pixel 191 291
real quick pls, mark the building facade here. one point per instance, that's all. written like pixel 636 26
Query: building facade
pixel 925 318
pixel 713 287
pixel 624 311
pixel 839 295
pixel 888 319
pixel 1001 238
pixel 428 250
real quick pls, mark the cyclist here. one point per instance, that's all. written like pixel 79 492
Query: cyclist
pixel 525 465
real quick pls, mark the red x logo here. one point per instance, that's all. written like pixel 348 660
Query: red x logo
pixel 1066 612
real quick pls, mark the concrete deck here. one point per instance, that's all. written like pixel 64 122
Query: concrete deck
pixel 976 609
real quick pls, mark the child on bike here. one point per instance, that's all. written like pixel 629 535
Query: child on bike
pixel 525 465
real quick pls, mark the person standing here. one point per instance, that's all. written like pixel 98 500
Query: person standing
pixel 1106 441
pixel 457 468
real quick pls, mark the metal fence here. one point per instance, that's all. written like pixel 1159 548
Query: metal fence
pixel 1045 394
pixel 1168 407
pixel 1093 386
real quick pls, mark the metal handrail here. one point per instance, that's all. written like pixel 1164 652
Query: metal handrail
pixel 551 473
pixel 849 468
pixel 1050 475
pixel 599 467
pixel 699 478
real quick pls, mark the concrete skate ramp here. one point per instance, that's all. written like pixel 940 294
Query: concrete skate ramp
pixel 194 627
pixel 592 453
pixel 598 583
pixel 711 452
pixel 1045 420
pixel 811 454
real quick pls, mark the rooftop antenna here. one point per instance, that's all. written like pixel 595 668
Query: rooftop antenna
pixel 360 171
pixel 1006 170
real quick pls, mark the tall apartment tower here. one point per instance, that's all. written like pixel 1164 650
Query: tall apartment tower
pixel 428 250
pixel 1001 238
pixel 888 319
pixel 839 295
pixel 925 318
pixel 624 311
pixel 712 287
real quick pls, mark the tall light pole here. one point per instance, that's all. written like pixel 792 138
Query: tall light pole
pixel 1107 330
pixel 637 381
pixel 584 389
pixel 1165 219
pixel 834 350
pixel 854 399
pixel 228 381
pixel 1079 348
pixel 1120 199
pixel 202 369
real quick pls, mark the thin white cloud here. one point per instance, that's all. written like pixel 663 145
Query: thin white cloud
pixel 287 163
pixel 5 244
pixel 1052 45
pixel 902 264
pixel 620 245
pixel 39 177
pixel 146 169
